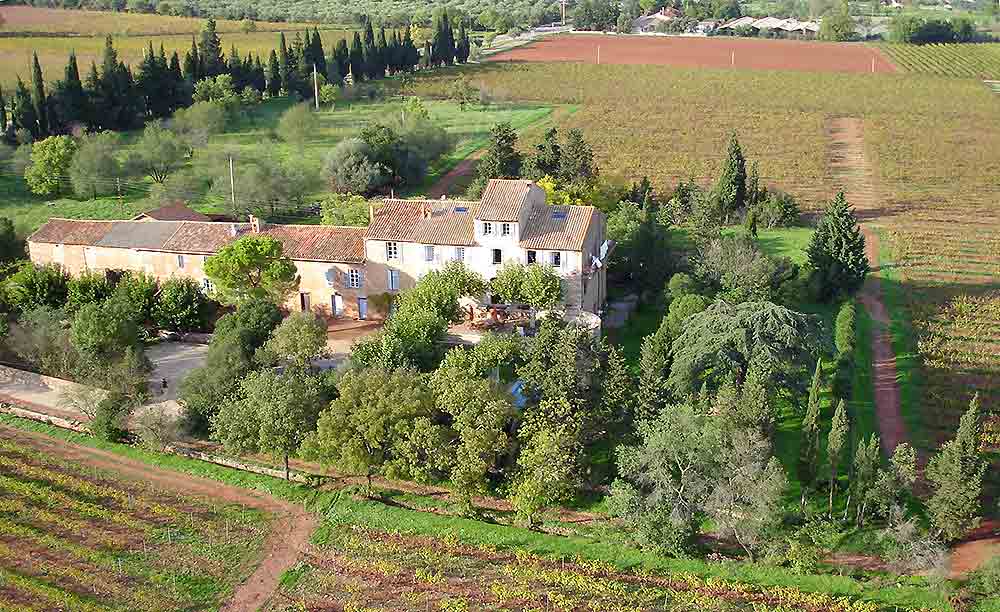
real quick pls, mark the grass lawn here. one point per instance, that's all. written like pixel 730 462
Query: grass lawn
pixel 344 511
pixel 470 128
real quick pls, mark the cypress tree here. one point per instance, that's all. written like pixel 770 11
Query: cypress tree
pixel 192 63
pixel 318 53
pixel 956 475
pixel 358 71
pixel 212 62
pixel 234 67
pixel 38 99
pixel 449 40
pixel 259 75
pixel 273 75
pixel 296 64
pixel 835 446
pixel 178 97
pixel 284 64
pixel 438 41
pixel 396 52
pixel 427 59
pixel 462 47
pixel 23 114
pixel 3 115
pixel 731 190
pixel 837 251
pixel 410 55
pixel 69 100
pixel 383 53
pixel 333 75
pixel 809 447
pixel 343 58
pixel 372 60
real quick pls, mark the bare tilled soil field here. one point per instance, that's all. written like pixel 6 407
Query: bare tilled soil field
pixel 721 52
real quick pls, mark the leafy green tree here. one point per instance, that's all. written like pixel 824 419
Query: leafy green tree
pixel 137 291
pixel 104 329
pixel 344 209
pixel 748 492
pixel 297 125
pixel 299 339
pixel 250 268
pixel 95 165
pixel 681 309
pixel 546 158
pixel 50 162
pixel 197 122
pixel 666 478
pixel 349 168
pixel 839 430
pixel 180 305
pixel 35 285
pixel 272 413
pixel 542 287
pixel 548 464
pixel 23 111
pixel 367 428
pixel 559 362
pixel 87 288
pixel 956 475
pixel 577 160
pixel 619 399
pixel 508 284
pixel 157 154
pixel 723 341
pixel 731 190
pixel 837 252
pixel 502 159
pixel 837 24
pixel 654 366
pixel 865 473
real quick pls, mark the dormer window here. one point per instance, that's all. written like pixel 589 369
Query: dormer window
pixel 505 229
pixel 487 228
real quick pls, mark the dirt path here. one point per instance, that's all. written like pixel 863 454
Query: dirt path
pixel 853 174
pixel 464 168
pixel 290 530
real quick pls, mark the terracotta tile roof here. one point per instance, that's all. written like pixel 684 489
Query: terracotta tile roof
pixel 503 199
pixel 320 243
pixel 303 242
pixel 71 231
pixel 557 227
pixel 425 221
pixel 199 237
pixel 172 212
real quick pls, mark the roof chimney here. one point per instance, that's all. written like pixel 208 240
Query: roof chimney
pixel 254 224
pixel 425 210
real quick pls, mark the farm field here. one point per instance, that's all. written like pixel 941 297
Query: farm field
pixel 931 143
pixel 75 537
pixel 691 52
pixel 32 20
pixel 15 52
pixel 981 61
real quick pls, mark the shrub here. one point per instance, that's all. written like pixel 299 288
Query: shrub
pixel 779 209
pixel 682 308
pixel 109 420
pixel 88 288
pixel 50 161
pixel 180 306
pixel 350 169
pixel 11 247
pixel 985 581
pixel 138 290
pixel 104 329
pixel 680 284
pixel 33 286
pixel 845 334
pixel 156 428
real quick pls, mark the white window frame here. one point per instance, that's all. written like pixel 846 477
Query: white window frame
pixel 460 253
pixel 531 256
pixel 207 287
pixel 354 278
pixel 555 259
pixel 505 229
pixel 393 285
pixel 494 258
pixel 487 228
pixel 180 262
pixel 392 251
pixel 428 253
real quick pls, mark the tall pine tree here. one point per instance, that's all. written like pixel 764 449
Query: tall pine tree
pixel 837 252
pixel 835 440
pixel 284 65
pixel 38 99
pixel 192 63
pixel 809 445
pixel 212 62
pixel 69 100
pixel 317 52
pixel 409 54
pixel 382 48
pixel 731 190
pixel 462 47
pixel 342 55
pixel 372 59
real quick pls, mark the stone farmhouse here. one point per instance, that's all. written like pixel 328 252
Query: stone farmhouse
pixel 341 268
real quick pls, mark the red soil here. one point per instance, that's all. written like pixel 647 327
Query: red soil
pixel 715 52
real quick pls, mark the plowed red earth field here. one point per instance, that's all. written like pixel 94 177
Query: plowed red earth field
pixel 717 52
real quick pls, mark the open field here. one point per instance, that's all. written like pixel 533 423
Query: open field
pixel 77 538
pixel 470 128
pixel 980 61
pixel 692 52
pixel 15 52
pixel 34 21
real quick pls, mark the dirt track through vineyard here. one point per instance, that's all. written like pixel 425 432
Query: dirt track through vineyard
pixel 853 174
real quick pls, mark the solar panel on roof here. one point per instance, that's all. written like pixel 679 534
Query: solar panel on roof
pixel 461 209
pixel 558 214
